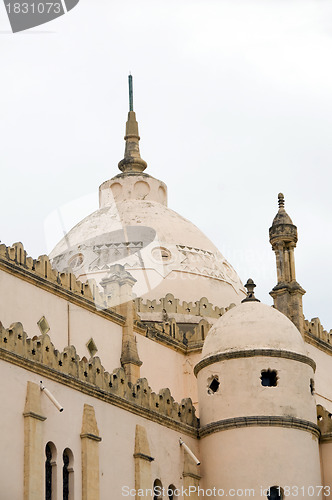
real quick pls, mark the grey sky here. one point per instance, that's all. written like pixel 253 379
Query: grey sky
pixel 234 104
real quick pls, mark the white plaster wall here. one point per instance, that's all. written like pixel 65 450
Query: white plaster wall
pixel 106 334
pixel 165 367
pixel 116 427
pixel 323 386
pixel 241 394
pixel 261 456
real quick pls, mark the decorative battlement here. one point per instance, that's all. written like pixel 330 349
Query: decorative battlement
pixel 174 322
pixel 315 335
pixel 14 259
pixel 170 305
pixel 185 337
pixel 315 328
pixel 40 356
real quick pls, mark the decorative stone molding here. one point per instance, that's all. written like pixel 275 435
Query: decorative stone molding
pixel 260 421
pixel 89 377
pixel 272 353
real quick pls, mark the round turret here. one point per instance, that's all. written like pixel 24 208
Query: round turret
pixel 255 388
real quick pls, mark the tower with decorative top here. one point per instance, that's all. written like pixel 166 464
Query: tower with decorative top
pixel 287 294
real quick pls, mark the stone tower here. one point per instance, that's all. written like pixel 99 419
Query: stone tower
pixel 287 294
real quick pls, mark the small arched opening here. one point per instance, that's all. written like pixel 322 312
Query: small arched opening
pixel 171 492
pixel 157 490
pixel 50 471
pixel 68 475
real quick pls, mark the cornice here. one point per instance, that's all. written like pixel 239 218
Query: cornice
pixel 250 353
pixel 260 421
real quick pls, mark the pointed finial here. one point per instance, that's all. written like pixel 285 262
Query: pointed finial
pixel 131 98
pixel 281 200
pixel 250 285
pixel 132 161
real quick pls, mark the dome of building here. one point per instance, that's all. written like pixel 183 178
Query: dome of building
pixel 252 325
pixel 133 227
pixel 147 235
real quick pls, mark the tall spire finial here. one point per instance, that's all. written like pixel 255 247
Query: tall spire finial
pixel 132 161
pixel 131 98
pixel 281 200
pixel 287 294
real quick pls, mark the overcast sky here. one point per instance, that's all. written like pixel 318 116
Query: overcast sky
pixel 234 105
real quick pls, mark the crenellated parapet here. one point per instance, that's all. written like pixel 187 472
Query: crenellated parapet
pixel 39 355
pixel 185 337
pixel 184 325
pixel 170 305
pixel 14 259
pixel 315 334
pixel 315 328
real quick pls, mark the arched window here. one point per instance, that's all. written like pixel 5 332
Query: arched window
pixel 50 471
pixel 171 492
pixel 68 475
pixel 157 490
pixel 276 493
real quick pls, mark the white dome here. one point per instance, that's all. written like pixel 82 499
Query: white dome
pixel 253 325
pixel 162 250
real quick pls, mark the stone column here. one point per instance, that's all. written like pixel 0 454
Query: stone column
pixel 292 262
pixel 90 455
pixel 33 445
